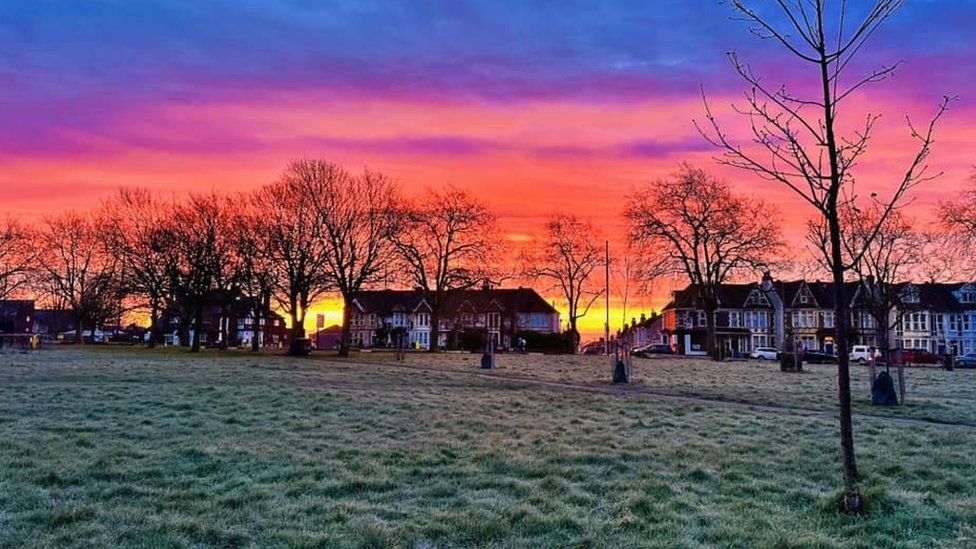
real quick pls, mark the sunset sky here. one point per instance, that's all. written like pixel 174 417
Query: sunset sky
pixel 536 107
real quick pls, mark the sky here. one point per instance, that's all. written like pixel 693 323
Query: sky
pixel 536 107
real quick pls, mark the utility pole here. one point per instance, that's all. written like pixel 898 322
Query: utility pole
pixel 606 326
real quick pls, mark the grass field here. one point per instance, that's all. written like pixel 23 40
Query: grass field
pixel 117 447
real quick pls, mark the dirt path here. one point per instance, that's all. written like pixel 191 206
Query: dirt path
pixel 621 391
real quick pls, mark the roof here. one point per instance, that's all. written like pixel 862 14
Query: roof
pixel 932 295
pixel 729 296
pixel 939 296
pixel 511 300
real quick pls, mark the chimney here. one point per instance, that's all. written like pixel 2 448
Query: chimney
pixel 633 321
pixel 643 318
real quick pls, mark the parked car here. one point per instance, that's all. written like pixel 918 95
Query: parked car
pixel 595 348
pixel 653 349
pixel 764 353
pixel 965 361
pixel 818 357
pixel 863 353
pixel 919 356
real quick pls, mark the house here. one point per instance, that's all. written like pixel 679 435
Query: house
pixel 744 319
pixel 937 317
pixel 52 322
pixel 799 314
pixel 16 316
pixel 646 331
pixel 327 338
pixel 233 320
pixel 498 314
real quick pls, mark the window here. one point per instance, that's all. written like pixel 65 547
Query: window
pixel 968 295
pixel 701 318
pixel 804 319
pixel 828 319
pixel 955 323
pixel 757 298
pixel 803 298
pixel 494 320
pixel 910 295
pixel 423 319
pixel 756 319
pixel 735 320
pixel 915 322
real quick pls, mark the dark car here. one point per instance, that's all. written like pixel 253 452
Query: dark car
pixel 595 348
pixel 919 356
pixel 654 349
pixel 965 361
pixel 818 357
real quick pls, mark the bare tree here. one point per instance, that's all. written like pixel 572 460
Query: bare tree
pixel 137 229
pixel 957 223
pixel 15 256
pixel 696 227
pixel 797 142
pixel 250 230
pixel 567 256
pixel 445 243
pixel 358 215
pixel 888 251
pixel 296 244
pixel 203 270
pixel 74 268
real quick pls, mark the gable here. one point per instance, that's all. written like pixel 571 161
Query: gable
pixel 967 294
pixel 804 297
pixel 757 299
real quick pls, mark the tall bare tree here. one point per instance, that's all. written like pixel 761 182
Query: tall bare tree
pixel 74 268
pixel 957 223
pixel 570 251
pixel 797 141
pixel 250 230
pixel 203 270
pixel 296 242
pixel 694 226
pixel 15 256
pixel 358 215
pixel 446 243
pixel 887 252
pixel 137 228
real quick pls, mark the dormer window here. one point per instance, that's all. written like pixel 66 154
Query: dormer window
pixel 911 297
pixel 968 296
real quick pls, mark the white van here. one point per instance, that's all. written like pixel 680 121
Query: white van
pixel 862 353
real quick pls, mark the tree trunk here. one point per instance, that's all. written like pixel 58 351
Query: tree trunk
pixel 79 331
pixel 711 339
pixel 574 333
pixel 256 329
pixel 346 337
pixel 435 319
pixel 153 326
pixel 852 494
pixel 297 324
pixel 197 327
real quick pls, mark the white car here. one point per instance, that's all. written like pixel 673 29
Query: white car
pixel 764 353
pixel 863 353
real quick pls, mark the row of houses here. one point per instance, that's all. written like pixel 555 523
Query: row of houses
pixel 935 317
pixel 500 314
pixel 496 314
pixel 233 325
